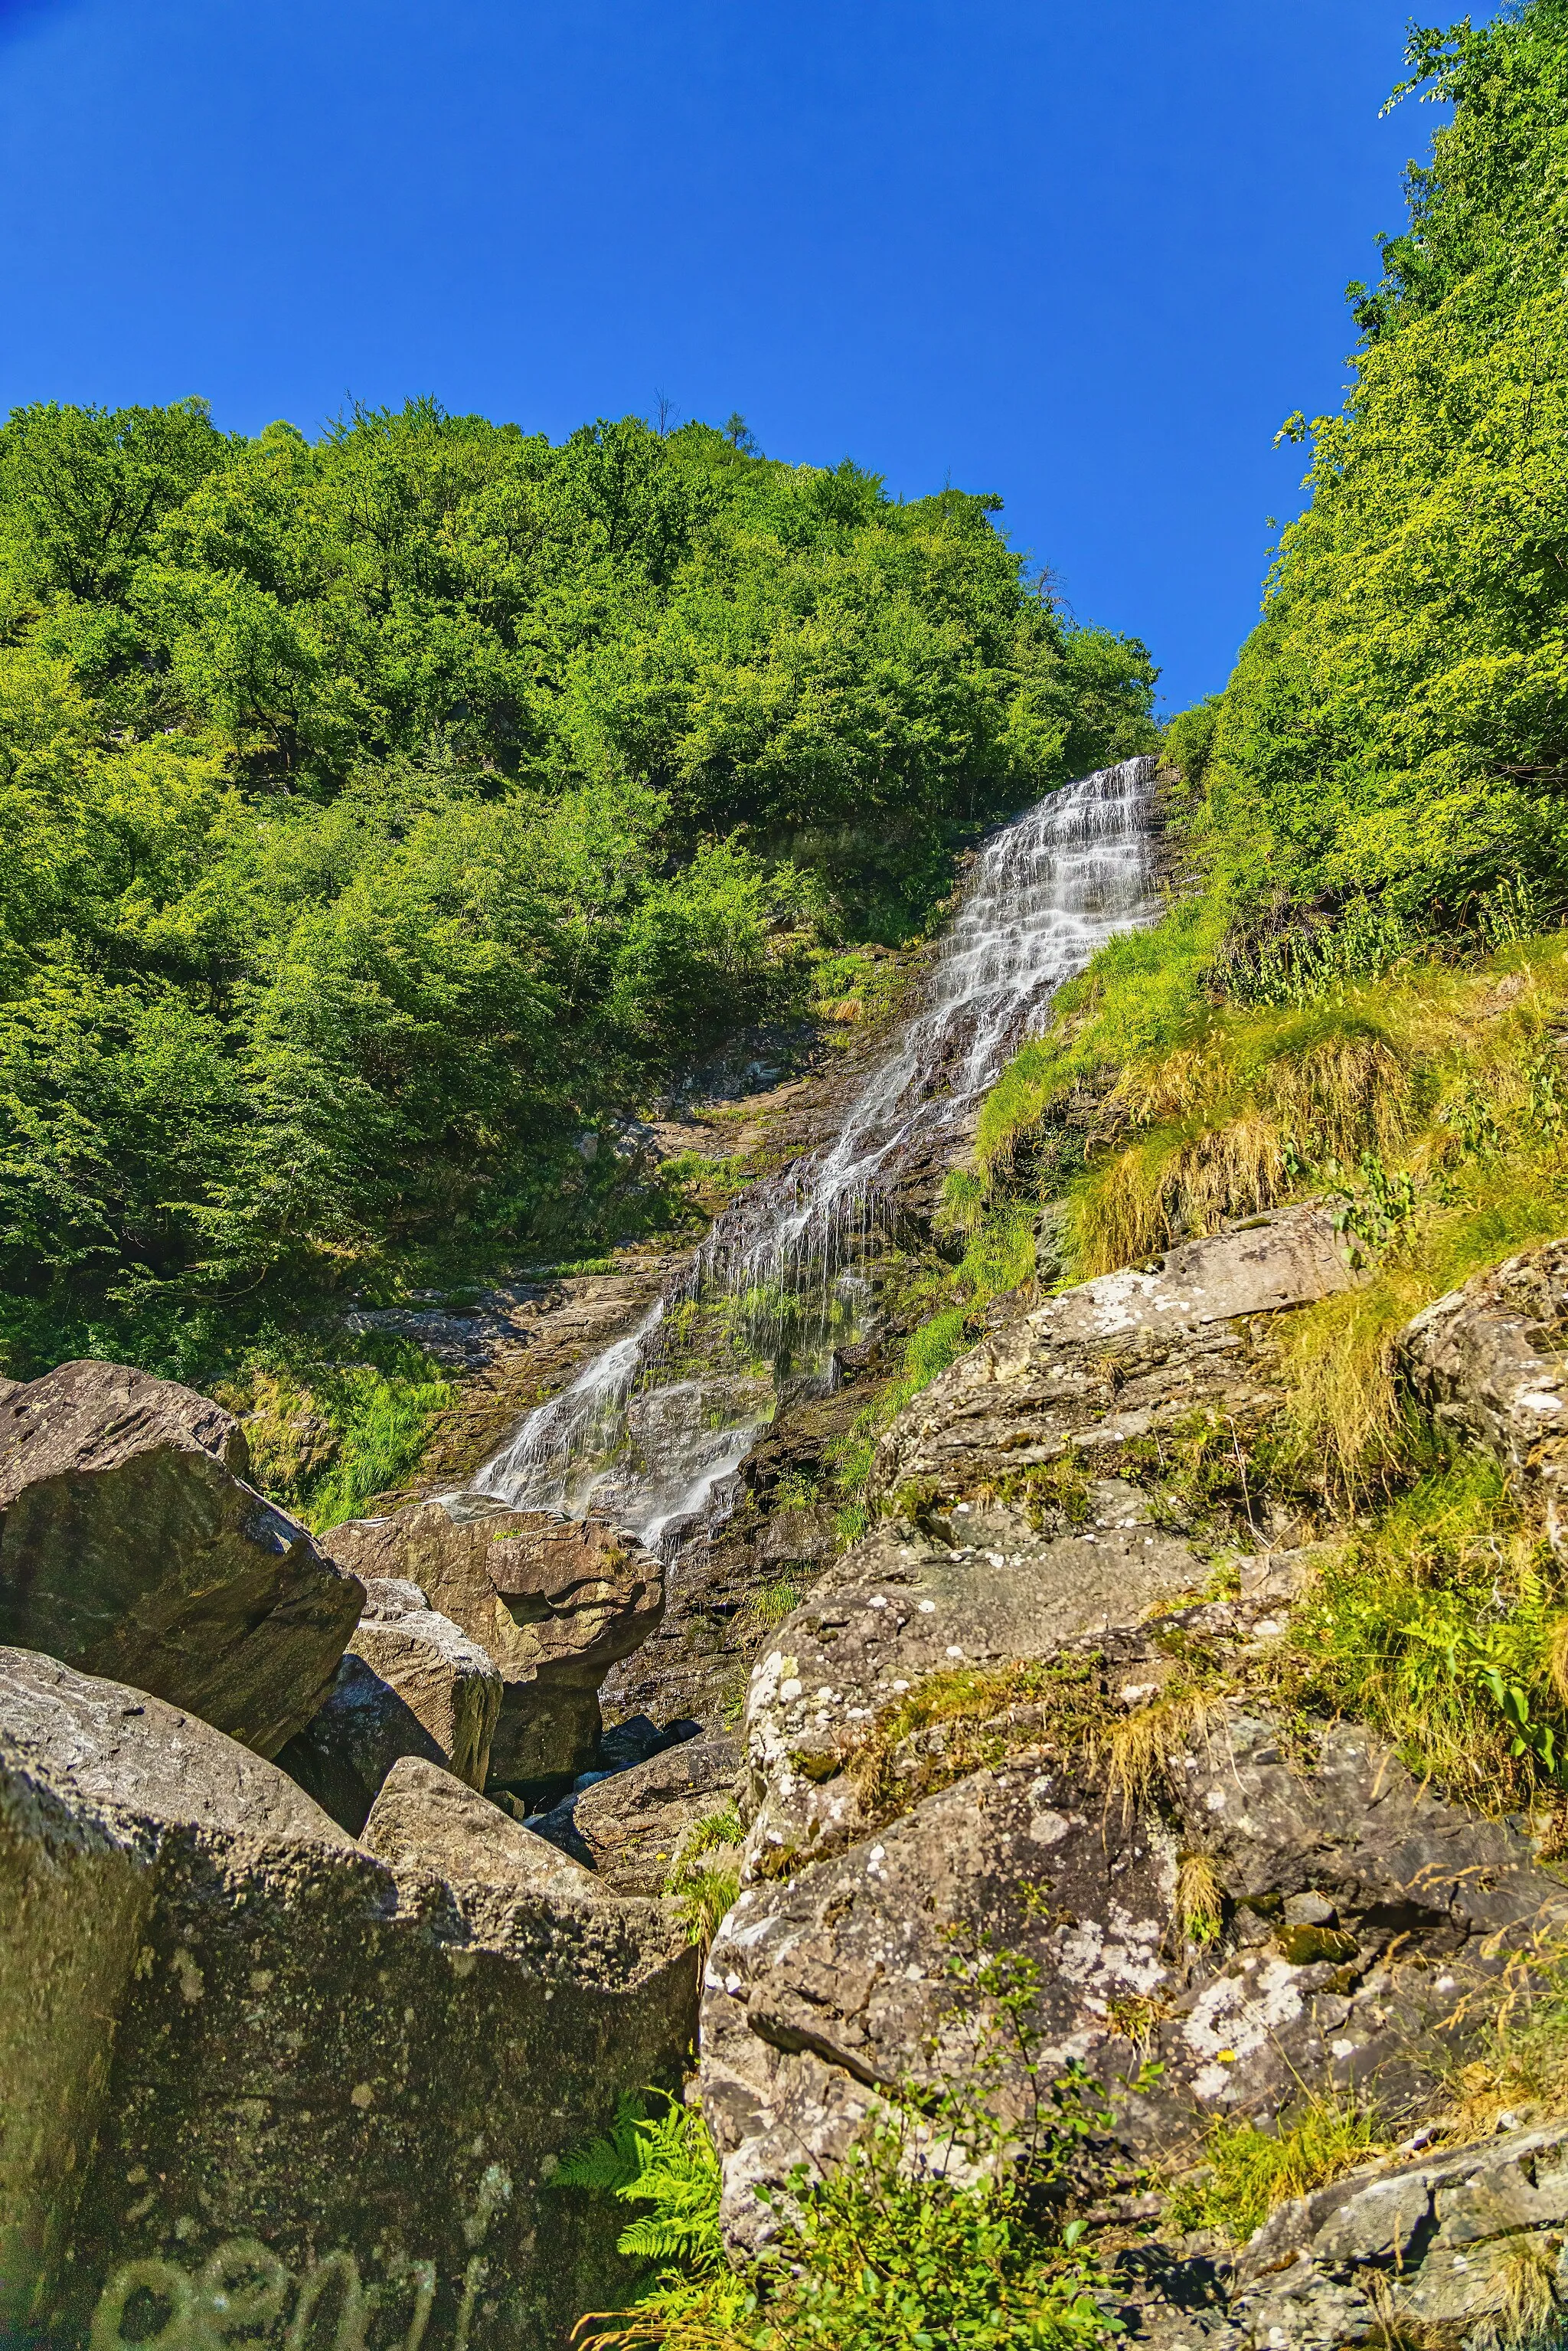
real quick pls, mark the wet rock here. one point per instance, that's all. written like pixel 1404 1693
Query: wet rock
pixel 555 1602
pixel 223 2025
pixel 1466 2244
pixel 425 1819
pixel 131 1547
pixel 1113 1361
pixel 630 1827
pixel 1487 1362
pixel 879 1965
pixel 901 1606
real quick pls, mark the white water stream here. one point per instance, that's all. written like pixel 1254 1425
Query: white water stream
pixel 653 1451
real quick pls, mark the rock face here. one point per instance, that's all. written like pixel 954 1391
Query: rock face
pixel 904 1606
pixel 224 2026
pixel 1113 1361
pixel 410 1685
pixel 555 1602
pixel 1354 1919
pixel 131 1547
pixel 1444 2244
pixel 629 1827
pixel 1487 1362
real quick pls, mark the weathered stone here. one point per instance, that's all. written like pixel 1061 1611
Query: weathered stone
pixel 86 1766
pixel 1439 2244
pixel 1116 1360
pixel 555 1602
pixel 630 1827
pixel 1487 1362
pixel 902 1605
pixel 425 1819
pixel 131 1547
pixel 867 1971
pixel 278 2039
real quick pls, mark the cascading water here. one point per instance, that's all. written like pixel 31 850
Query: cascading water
pixel 642 1436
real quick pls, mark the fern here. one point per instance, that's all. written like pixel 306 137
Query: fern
pixel 663 2159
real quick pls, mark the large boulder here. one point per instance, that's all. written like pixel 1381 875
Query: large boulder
pixel 1114 1360
pixel 449 1681
pixel 630 1827
pixel 237 2048
pixel 1487 1363
pixel 412 1684
pixel 348 1746
pixel 1261 1923
pixel 556 1601
pixel 131 1547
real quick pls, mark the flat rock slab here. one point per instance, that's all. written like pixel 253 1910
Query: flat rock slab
pixel 555 1602
pixel 868 1971
pixel 224 2026
pixel 131 1547
pixel 630 1827
pixel 1113 1361
pixel 900 1607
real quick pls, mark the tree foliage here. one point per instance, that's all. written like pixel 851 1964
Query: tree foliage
pixel 384 812
pixel 1399 720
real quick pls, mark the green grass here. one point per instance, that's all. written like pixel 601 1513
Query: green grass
pixel 325 1439
pixel 1247 2172
pixel 1443 1623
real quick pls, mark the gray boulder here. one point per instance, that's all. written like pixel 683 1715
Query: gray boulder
pixel 346 1750
pixel 425 1819
pixel 905 1606
pixel 631 1828
pixel 1116 1360
pixel 555 1602
pixel 1357 1931
pixel 131 1547
pixel 225 2027
pixel 1463 2245
pixel 450 1682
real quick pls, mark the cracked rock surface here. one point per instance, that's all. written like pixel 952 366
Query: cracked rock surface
pixel 1363 1917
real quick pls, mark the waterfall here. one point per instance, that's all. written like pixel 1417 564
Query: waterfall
pixel 650 1439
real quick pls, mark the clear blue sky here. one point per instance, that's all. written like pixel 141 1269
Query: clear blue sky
pixel 1088 257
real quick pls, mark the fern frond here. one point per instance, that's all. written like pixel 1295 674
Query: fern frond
pixel 608 2164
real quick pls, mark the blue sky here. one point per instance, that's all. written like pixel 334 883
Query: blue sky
pixel 1088 257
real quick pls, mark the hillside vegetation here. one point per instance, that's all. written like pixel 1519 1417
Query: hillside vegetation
pixel 1363 992
pixel 388 815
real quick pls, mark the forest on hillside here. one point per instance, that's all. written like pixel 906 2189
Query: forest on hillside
pixel 386 814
